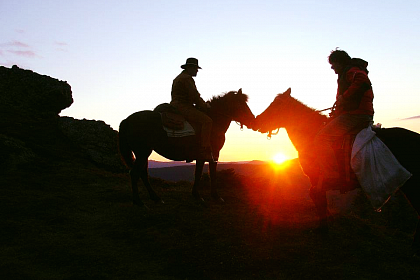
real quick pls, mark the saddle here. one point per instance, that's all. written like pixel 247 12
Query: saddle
pixel 173 122
pixel 171 117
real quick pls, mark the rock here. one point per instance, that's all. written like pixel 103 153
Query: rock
pixel 13 152
pixel 26 93
pixel 31 128
pixel 97 139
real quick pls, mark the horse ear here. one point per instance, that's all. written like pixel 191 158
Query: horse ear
pixel 240 91
pixel 288 92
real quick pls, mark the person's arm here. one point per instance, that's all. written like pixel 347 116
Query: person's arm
pixel 359 83
pixel 194 95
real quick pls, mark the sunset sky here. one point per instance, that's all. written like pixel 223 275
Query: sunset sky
pixel 121 56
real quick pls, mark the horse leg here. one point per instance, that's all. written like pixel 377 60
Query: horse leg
pixel 213 180
pixel 199 165
pixel 134 177
pixel 416 241
pixel 144 175
pixel 319 197
pixel 411 192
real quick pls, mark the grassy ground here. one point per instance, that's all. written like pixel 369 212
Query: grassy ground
pixel 65 221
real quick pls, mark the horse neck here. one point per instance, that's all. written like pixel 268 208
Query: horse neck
pixel 302 126
pixel 221 120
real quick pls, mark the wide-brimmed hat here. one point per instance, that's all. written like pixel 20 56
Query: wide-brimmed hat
pixel 191 61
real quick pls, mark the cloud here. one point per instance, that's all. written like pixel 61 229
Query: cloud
pixel 17 48
pixel 61 46
pixel 16 44
pixel 24 53
pixel 61 43
pixel 411 118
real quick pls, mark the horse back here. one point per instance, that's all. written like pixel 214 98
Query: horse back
pixel 404 144
pixel 144 131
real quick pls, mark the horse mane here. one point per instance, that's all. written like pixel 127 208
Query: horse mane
pixel 298 108
pixel 222 100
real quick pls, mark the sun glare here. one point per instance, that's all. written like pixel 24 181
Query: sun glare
pixel 279 158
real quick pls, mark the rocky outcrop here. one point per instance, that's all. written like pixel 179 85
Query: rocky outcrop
pixel 97 140
pixel 31 128
pixel 28 94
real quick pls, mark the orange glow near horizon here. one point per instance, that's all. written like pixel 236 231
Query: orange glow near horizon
pixel 279 161
pixel 279 158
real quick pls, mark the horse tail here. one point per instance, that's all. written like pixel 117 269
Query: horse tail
pixel 127 156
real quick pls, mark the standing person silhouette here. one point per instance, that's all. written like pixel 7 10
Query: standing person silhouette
pixel 184 96
pixel 353 108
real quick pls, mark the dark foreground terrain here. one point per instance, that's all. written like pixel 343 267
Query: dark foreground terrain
pixel 66 210
pixel 70 220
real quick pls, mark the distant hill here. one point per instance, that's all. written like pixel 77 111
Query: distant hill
pixel 163 164
pixel 176 171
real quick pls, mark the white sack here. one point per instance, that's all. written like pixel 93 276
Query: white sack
pixel 378 171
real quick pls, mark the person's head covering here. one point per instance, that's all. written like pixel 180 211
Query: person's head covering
pixel 191 62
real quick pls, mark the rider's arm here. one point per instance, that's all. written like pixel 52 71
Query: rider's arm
pixel 195 95
pixel 359 84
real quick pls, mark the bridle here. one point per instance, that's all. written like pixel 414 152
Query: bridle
pixel 230 117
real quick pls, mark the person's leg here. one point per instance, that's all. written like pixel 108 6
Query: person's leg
pixel 338 127
pixel 192 114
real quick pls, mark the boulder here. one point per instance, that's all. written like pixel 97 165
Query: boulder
pixel 31 128
pixel 28 94
pixel 96 139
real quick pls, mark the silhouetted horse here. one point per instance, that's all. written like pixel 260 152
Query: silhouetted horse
pixel 302 124
pixel 142 132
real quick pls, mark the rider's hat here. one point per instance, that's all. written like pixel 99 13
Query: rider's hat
pixel 191 61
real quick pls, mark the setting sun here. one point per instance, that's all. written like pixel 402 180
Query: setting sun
pixel 279 158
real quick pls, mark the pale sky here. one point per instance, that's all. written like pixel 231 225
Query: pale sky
pixel 121 56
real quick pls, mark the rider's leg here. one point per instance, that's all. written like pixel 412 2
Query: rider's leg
pixel 336 128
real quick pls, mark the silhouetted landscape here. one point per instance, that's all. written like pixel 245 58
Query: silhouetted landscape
pixel 66 209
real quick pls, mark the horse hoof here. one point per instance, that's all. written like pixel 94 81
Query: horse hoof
pixel 199 199
pixel 416 255
pixel 219 200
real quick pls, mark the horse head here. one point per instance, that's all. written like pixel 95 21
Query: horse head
pixel 234 105
pixel 271 119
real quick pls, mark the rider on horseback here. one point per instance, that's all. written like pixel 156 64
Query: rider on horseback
pixel 185 96
pixel 353 108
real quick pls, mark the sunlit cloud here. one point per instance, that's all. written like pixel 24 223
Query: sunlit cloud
pixel 23 53
pixel 17 48
pixel 21 31
pixel 61 46
pixel 15 44
pixel 411 118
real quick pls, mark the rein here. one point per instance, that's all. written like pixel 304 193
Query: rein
pixel 330 108
pixel 230 117
pixel 271 132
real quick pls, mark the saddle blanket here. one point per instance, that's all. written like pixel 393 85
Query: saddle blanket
pixel 378 171
pixel 188 130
